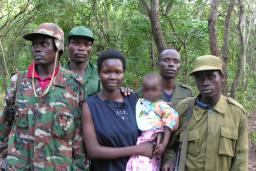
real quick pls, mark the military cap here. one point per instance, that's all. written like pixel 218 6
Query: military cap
pixel 206 63
pixel 49 29
pixel 81 31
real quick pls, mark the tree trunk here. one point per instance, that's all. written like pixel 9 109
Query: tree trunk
pixel 225 52
pixel 242 59
pixel 212 28
pixel 153 14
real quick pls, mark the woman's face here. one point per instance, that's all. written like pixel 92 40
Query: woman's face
pixel 111 74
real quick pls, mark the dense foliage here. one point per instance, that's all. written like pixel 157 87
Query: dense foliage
pixel 124 25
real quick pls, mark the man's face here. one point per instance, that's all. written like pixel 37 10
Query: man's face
pixel 79 49
pixel 43 50
pixel 208 83
pixel 169 65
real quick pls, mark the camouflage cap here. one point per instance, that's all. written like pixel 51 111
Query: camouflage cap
pixel 81 31
pixel 49 29
pixel 205 63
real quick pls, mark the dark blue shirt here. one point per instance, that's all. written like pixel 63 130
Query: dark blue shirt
pixel 167 96
pixel 115 126
pixel 203 105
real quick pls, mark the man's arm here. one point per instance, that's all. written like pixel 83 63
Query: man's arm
pixel 8 114
pixel 80 161
pixel 7 118
pixel 240 162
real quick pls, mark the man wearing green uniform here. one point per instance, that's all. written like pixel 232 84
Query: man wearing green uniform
pixel 80 42
pixel 212 135
pixel 169 66
pixel 42 112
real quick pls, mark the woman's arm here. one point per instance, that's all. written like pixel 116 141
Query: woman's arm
pixel 97 151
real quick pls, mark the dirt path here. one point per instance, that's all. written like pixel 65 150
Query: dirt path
pixel 252 146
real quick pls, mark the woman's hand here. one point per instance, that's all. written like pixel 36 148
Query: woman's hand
pixel 146 149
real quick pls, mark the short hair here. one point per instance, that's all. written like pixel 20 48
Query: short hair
pixel 110 54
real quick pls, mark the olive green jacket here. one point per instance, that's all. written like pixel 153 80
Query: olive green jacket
pixel 217 138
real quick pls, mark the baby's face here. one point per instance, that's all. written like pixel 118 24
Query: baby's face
pixel 152 89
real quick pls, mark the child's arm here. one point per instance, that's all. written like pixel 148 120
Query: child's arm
pixel 159 138
pixel 159 149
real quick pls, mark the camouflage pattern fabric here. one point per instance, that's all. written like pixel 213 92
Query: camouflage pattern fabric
pixel 49 29
pixel 46 132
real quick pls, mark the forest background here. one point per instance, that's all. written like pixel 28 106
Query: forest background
pixel 141 29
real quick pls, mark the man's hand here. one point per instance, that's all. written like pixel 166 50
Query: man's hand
pixel 126 91
pixel 168 165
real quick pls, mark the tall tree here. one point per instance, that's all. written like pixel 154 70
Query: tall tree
pixel 153 14
pixel 212 28
pixel 242 57
pixel 225 48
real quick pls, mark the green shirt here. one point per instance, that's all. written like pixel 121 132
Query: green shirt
pixel 91 78
pixel 180 92
pixel 217 138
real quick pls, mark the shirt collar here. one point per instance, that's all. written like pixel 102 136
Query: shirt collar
pixel 36 75
pixel 202 105
pixel 220 106
pixel 90 72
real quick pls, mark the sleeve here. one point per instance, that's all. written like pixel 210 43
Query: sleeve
pixel 240 162
pixel 8 114
pixel 80 160
pixel 173 145
pixel 170 117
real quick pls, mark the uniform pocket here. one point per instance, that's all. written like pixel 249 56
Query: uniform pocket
pixel 63 125
pixel 194 142
pixel 228 140
pixel 22 114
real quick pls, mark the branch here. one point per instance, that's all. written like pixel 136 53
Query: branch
pixel 145 5
pixel 174 31
pixel 17 15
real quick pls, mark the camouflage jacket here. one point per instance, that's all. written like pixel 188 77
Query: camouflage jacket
pixel 45 132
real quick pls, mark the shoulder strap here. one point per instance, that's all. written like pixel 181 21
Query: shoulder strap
pixel 183 152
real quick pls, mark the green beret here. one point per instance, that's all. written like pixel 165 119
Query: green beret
pixel 81 31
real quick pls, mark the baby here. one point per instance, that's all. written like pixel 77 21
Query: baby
pixel 156 120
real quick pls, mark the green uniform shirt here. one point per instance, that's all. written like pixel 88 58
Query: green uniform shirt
pixel 181 92
pixel 91 78
pixel 217 138
pixel 46 132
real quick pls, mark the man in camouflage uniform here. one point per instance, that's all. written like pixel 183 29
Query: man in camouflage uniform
pixel 80 42
pixel 42 114
pixel 213 128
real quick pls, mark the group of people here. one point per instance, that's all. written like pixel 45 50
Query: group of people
pixel 79 117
